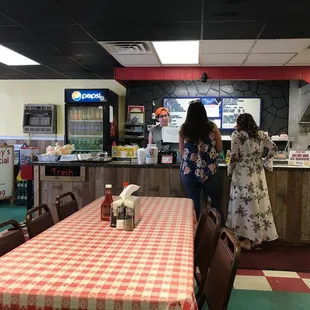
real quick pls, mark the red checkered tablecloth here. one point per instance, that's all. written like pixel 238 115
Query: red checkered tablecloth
pixel 83 263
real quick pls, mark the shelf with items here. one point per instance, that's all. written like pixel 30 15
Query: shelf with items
pixel 275 139
pixel 86 136
pixel 85 143
pixel 134 137
pixel 21 197
pixel 86 121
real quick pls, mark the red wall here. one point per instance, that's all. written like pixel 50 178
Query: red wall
pixel 214 73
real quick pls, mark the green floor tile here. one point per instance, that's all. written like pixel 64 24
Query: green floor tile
pixel 8 212
pixel 262 300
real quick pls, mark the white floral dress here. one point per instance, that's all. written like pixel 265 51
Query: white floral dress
pixel 249 210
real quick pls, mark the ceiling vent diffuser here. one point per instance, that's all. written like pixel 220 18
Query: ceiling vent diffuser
pixel 128 48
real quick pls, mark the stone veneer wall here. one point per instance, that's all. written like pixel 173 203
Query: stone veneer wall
pixel 274 94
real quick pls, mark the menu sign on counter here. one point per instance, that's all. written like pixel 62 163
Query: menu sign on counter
pixel 299 158
pixel 6 171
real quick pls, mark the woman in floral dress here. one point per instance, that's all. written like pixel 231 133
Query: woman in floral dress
pixel 200 142
pixel 249 211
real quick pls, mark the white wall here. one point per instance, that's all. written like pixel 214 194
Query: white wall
pixel 15 93
pixel 299 99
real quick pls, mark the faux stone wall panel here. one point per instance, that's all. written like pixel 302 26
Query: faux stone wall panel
pixel 274 94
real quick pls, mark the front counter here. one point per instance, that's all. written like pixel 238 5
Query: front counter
pixel 289 188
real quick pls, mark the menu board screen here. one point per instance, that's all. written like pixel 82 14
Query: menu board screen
pixel 222 111
pixel 233 107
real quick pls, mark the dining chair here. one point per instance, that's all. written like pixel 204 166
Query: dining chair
pixel 221 275
pixel 205 248
pixel 36 225
pixel 12 238
pixel 201 222
pixel 68 208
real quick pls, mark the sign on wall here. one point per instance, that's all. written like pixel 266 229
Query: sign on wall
pixel 6 171
pixel 299 158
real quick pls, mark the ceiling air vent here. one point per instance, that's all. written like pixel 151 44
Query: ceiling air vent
pixel 128 48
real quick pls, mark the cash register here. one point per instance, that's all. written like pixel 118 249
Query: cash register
pixel 170 145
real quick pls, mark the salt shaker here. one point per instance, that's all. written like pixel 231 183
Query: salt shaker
pixel 120 216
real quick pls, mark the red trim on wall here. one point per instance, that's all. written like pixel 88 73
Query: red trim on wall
pixel 214 73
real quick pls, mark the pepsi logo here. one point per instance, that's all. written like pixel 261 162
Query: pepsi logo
pixel 76 96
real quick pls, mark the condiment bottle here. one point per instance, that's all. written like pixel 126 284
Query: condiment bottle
pixel 106 204
pixel 120 216
pixel 129 219
pixel 113 216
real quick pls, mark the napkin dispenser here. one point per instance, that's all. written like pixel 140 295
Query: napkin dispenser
pixel 129 201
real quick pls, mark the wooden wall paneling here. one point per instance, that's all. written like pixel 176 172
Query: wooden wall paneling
pixel 305 206
pixel 271 178
pixel 99 177
pixel 293 205
pixel 281 202
pixel 36 191
pixel 89 187
pixel 122 175
pixel 140 176
pixel 225 190
pixel 175 183
pixel 158 182
pixel 42 144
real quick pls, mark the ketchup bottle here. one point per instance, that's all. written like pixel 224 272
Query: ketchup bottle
pixel 107 203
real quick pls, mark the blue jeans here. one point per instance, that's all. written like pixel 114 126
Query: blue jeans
pixel 211 188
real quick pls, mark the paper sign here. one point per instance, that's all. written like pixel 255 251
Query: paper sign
pixel 299 158
pixel 6 171
pixel 170 134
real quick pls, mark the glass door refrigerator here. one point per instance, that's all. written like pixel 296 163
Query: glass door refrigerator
pixel 91 119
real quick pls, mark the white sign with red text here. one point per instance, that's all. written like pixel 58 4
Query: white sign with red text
pixel 6 171
pixel 299 158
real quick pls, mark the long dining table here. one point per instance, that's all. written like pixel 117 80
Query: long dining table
pixel 83 263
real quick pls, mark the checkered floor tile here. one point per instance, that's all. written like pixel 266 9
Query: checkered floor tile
pixel 269 280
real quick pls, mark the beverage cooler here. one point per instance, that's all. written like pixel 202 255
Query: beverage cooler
pixel 91 119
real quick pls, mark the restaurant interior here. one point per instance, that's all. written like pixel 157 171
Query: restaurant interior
pixel 94 211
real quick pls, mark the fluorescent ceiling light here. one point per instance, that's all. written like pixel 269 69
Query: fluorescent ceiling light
pixel 177 52
pixel 11 58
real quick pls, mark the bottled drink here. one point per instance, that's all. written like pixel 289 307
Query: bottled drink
pixel 98 114
pixel 106 204
pixel 74 112
pixel 227 160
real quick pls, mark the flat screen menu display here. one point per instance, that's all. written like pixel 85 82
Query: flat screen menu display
pixel 221 110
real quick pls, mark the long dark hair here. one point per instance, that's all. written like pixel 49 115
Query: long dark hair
pixel 246 123
pixel 197 126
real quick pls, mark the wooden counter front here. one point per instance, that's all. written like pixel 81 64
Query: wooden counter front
pixel 289 191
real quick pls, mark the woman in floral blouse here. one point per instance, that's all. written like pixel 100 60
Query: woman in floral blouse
pixel 200 142
pixel 249 210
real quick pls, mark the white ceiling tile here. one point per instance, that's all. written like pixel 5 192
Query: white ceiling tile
pixel 297 65
pixel 266 59
pixel 280 46
pixel 222 59
pixel 301 58
pixel 226 46
pixel 262 65
pixel 137 60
